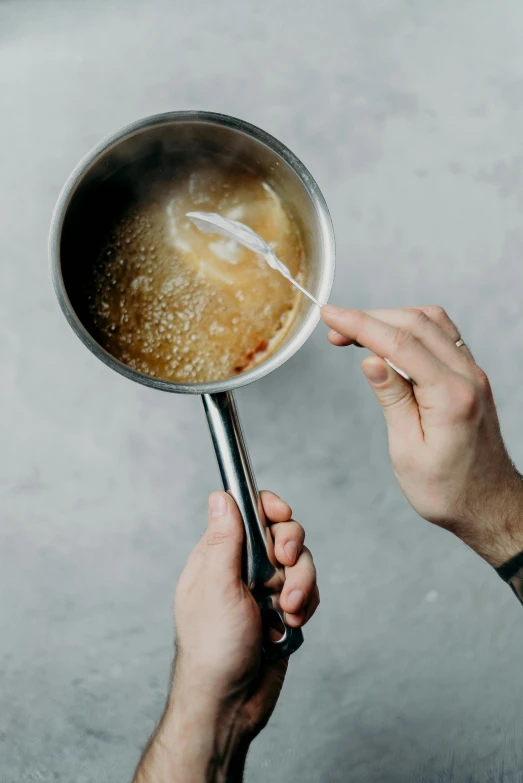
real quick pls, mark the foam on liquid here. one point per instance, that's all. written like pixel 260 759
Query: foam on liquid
pixel 184 306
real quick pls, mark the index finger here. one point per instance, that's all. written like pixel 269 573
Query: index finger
pixel 385 340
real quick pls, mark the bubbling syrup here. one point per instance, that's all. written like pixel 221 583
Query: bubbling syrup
pixel 180 305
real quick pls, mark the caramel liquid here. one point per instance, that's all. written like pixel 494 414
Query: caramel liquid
pixel 184 306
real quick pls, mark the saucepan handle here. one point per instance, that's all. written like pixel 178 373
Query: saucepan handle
pixel 261 571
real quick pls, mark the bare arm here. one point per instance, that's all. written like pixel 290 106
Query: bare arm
pixel 445 442
pixel 223 692
pixel 195 742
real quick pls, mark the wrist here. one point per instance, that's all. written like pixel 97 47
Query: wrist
pixel 210 737
pixel 199 740
pixel 501 524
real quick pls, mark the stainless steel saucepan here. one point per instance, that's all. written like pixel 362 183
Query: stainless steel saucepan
pixel 98 184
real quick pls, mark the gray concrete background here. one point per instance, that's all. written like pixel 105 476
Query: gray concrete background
pixel 410 115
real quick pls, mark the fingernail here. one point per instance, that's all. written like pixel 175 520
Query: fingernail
pixel 294 620
pixel 332 310
pixel 295 600
pixel 291 550
pixel 217 505
pixel 376 373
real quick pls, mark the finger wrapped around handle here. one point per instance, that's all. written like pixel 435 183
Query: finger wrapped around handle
pixel 261 571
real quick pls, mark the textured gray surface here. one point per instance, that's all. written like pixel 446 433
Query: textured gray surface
pixel 410 115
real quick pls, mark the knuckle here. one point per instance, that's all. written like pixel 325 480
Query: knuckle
pixel 398 401
pixel 439 313
pixel 312 569
pixel 467 400
pixel 440 317
pixel 306 552
pixel 360 321
pixel 296 538
pixel 482 379
pixel 216 538
pixel 402 339
pixel 303 573
pixel 275 529
pixel 417 317
pixel 300 531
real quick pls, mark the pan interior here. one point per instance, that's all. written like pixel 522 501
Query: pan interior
pixel 187 322
pixel 136 169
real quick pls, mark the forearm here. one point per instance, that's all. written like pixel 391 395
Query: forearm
pixel 195 743
pixel 504 548
pixel 163 763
